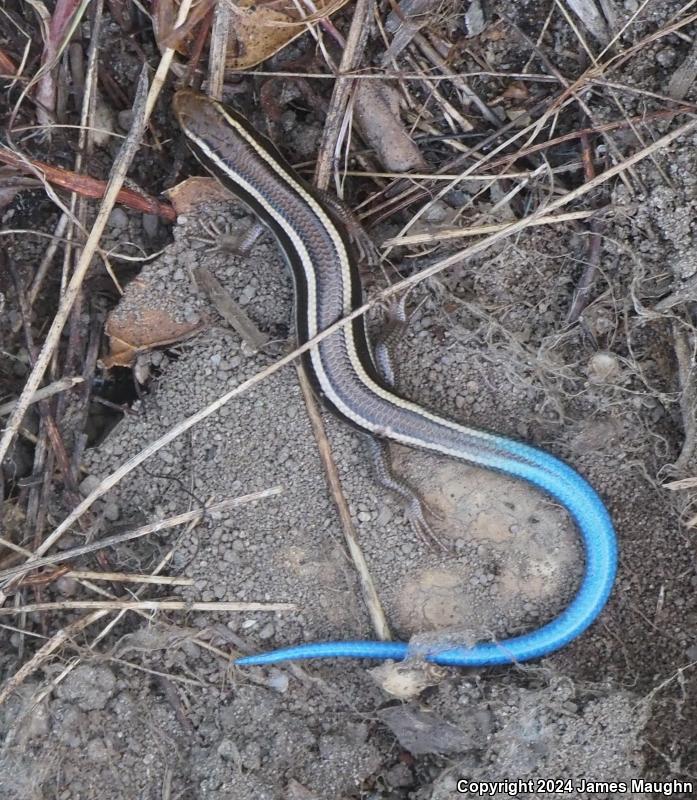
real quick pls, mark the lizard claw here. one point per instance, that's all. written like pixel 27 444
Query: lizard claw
pixel 418 519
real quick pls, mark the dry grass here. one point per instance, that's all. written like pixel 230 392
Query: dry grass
pixel 517 152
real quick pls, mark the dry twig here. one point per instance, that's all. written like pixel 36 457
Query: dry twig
pixel 510 230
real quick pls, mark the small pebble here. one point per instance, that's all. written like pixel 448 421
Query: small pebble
pixel 118 218
pixel 247 294
pixel 89 484
pixel 436 212
pixel 125 118
pixel 666 56
pixel 251 756
pixel 603 367
pixel 399 776
pixel 268 631
pixel 151 225
pixel 96 750
pixel 66 586
pixel 228 751
pixel 278 681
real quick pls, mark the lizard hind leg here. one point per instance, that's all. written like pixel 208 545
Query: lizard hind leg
pixel 416 510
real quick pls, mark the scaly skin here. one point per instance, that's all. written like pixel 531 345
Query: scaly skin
pixel 346 379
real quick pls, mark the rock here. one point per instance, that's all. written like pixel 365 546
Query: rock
pixel 89 484
pixel 118 218
pixel 90 687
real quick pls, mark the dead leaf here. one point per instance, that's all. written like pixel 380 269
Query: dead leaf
pixel 133 327
pixel 181 38
pixel 422 732
pixel 377 112
pixel 258 28
pixel 406 681
pixel 495 33
pixel 7 65
pixel 516 91
pixel 146 317
pixel 192 192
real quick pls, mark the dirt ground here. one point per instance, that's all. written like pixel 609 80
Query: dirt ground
pixel 145 705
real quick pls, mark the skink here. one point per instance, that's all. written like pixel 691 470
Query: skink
pixel 342 369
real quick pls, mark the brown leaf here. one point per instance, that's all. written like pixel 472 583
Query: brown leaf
pixel 377 112
pixel 516 91
pixel 181 38
pixel 134 326
pixel 192 192
pixel 258 28
pixel 7 65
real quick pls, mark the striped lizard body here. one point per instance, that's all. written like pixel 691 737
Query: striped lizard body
pixel 341 367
